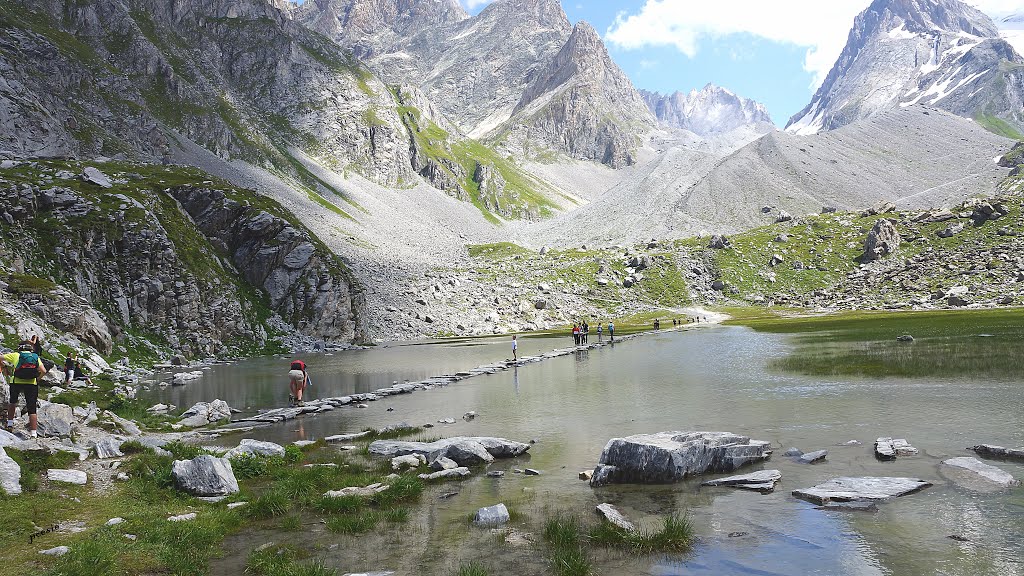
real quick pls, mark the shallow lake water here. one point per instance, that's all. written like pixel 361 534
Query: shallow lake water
pixel 713 378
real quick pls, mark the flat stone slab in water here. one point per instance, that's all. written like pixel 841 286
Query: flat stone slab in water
pixel 869 488
pixel 890 448
pixel 812 457
pixel 762 481
pixel 612 514
pixel 966 471
pixel 990 451
pixel 668 457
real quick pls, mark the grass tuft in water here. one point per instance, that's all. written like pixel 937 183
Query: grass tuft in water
pixel 568 556
pixel 676 535
pixel 284 562
pixel 268 505
pixel 472 569
pixel 354 523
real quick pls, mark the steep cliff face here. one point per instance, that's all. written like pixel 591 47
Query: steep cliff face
pixel 236 76
pixel 167 257
pixel 517 76
pixel 305 284
pixel 940 53
pixel 370 26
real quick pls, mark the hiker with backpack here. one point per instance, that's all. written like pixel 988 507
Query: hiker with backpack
pixel 298 381
pixel 23 369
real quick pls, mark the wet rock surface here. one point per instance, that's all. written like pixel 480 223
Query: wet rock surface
pixel 971 472
pixel 762 481
pixel 850 489
pixel 668 457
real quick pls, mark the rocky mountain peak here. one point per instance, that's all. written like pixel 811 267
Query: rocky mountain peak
pixel 707 112
pixel 900 53
pixel 923 16
pixel 543 13
pixel 367 26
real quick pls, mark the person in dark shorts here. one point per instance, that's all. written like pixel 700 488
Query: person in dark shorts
pixel 23 370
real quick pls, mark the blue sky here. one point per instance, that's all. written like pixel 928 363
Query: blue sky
pixel 774 51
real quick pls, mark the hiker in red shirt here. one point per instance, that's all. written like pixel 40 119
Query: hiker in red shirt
pixel 298 380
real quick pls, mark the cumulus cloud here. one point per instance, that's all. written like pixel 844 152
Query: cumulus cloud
pixel 820 26
pixel 471 4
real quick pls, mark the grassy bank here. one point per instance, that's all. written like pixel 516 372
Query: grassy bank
pixel 280 493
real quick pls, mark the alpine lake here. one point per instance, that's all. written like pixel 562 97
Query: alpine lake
pixel 808 382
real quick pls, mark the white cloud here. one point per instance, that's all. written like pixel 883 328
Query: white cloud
pixel 820 26
pixel 471 4
pixel 648 64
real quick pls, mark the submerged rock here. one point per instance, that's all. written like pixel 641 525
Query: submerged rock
pixel 668 457
pixel 991 451
pixel 846 489
pixel 812 457
pixel 205 475
pixel 969 472
pixel 612 514
pixel 762 481
pixel 491 515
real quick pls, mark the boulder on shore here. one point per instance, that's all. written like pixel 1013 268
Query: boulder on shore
pixel 205 413
pixel 868 488
pixel 255 447
pixel 10 474
pixel 668 457
pixel 205 475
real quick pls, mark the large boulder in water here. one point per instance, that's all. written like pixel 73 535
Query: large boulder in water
pixel 668 457
pixel 466 451
pixel 205 475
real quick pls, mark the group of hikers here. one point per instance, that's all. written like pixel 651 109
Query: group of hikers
pixel 22 370
pixel 581 332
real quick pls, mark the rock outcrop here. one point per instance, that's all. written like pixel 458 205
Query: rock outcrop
pixel 668 457
pixel 205 475
pixel 307 285
pixel 882 240
pixel 10 474
pixel 709 112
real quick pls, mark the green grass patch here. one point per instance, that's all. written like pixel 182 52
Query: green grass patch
pixel 472 569
pixel 284 561
pixel 675 535
pixel 997 125
pixel 568 556
pixel 497 250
